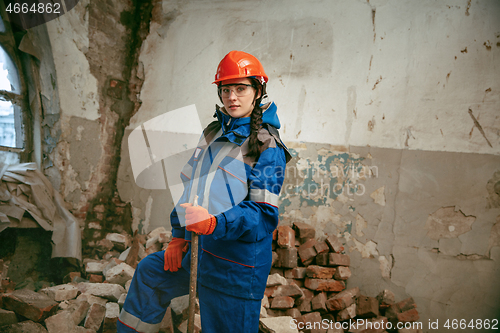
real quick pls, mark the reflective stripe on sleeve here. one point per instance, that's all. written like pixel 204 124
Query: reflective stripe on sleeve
pixel 135 323
pixel 263 195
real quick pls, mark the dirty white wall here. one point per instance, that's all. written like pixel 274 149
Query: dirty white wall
pixel 389 107
pixel 78 95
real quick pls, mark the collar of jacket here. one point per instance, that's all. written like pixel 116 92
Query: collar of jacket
pixel 237 130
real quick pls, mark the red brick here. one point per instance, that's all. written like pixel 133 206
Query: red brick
pixel 275 259
pixel 347 313
pixel 296 273
pixel 324 284
pixel 7 317
pixel 319 272
pixel 78 310
pixel 61 322
pixel 367 307
pixel 407 304
pixel 312 323
pixel 269 291
pixel 275 312
pixel 94 278
pixel 95 316
pixel 304 230
pixel 334 244
pixel 342 300
pixel 321 247
pixel 318 303
pixel 29 304
pixel 322 259
pixel 287 257
pixel 275 234
pixel 303 303
pixel 288 290
pixel 282 302
pixel 337 259
pixel 275 279
pixel 111 318
pixel 277 270
pixel 286 237
pixel 408 316
pixel 306 251
pixel 342 273
pixel 305 306
pixel 298 282
pixel 24 327
pixel 294 313
pixel 385 299
pixel 403 311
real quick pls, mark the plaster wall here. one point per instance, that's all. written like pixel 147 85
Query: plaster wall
pixel 404 94
pixel 79 103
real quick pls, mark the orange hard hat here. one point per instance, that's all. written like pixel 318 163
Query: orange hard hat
pixel 238 64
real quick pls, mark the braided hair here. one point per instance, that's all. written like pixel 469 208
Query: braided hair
pixel 254 143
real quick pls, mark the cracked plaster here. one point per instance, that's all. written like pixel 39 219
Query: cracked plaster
pixel 415 181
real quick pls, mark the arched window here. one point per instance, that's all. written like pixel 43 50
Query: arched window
pixel 15 127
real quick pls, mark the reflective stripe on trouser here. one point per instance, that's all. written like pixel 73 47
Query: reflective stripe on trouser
pixel 263 195
pixel 138 325
pixel 152 289
pixel 150 293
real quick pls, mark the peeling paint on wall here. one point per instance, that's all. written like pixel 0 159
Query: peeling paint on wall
pixel 446 222
pixel 367 250
pixel 378 196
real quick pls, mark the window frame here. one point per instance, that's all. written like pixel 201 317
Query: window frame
pixel 22 112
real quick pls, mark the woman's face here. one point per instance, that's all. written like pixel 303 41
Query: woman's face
pixel 238 106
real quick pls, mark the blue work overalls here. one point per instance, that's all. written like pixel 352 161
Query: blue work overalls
pixel 234 261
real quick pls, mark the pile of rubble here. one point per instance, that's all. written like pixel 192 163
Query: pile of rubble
pixel 306 291
pixel 90 303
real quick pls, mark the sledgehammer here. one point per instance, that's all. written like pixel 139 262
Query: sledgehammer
pixel 193 276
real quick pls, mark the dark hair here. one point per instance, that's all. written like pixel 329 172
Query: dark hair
pixel 256 119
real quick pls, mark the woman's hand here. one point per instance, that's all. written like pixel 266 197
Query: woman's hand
pixel 173 254
pixel 199 220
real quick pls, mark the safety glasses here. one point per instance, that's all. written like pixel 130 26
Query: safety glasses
pixel 239 89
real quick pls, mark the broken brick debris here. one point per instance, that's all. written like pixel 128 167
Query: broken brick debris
pixel 304 230
pixel 296 289
pixel 282 302
pixel 7 317
pixel 287 258
pixel 95 317
pixel 337 259
pixel 32 305
pixel 367 307
pixel 286 237
pixel 319 268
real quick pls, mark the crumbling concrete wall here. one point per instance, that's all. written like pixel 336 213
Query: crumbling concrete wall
pixel 95 48
pixel 390 108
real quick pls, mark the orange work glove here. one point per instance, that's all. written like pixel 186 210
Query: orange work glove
pixel 173 254
pixel 199 220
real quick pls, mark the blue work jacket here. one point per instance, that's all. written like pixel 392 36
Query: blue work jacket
pixel 242 193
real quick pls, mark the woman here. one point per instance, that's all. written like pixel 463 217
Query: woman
pixel 235 176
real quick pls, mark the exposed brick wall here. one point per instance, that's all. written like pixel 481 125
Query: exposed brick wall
pixel 116 32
